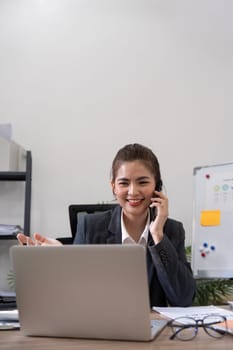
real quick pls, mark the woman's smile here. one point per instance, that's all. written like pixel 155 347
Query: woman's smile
pixel 135 202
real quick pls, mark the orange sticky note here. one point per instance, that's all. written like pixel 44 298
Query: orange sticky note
pixel 210 218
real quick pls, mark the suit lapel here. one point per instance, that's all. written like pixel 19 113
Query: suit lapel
pixel 114 227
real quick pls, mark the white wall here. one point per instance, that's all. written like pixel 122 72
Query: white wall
pixel 81 78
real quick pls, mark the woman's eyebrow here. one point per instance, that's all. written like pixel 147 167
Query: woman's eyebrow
pixel 138 178
pixel 122 179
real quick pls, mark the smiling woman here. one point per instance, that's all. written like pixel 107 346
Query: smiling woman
pixel 140 218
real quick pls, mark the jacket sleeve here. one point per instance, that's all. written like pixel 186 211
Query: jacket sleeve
pixel 173 270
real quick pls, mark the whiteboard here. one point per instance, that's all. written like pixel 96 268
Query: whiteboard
pixel 212 228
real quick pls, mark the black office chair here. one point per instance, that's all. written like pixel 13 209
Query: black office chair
pixel 76 209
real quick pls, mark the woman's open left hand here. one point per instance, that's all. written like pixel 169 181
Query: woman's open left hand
pixel 37 240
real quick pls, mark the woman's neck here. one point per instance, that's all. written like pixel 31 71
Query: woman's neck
pixel 135 225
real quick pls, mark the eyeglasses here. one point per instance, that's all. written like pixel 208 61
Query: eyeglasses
pixel 186 328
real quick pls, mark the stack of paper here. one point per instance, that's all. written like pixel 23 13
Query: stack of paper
pixel 9 319
pixel 197 312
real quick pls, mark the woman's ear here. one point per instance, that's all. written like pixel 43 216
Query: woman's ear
pixel 113 187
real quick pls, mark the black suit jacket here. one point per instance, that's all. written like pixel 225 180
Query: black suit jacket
pixel 169 274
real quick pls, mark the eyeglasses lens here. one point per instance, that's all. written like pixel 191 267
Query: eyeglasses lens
pixel 215 325
pixel 184 328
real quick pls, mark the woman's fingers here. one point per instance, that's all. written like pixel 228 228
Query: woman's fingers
pixel 20 237
pixel 39 238
pixel 42 240
pixel 159 202
pixel 25 240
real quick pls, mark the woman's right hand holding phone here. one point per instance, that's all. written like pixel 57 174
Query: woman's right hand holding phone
pixel 160 202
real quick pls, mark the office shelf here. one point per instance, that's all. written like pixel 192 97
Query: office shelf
pixel 6 237
pixel 25 176
pixel 13 175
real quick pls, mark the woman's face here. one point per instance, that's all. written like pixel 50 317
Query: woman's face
pixel 134 187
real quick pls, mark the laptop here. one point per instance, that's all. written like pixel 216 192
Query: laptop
pixel 84 291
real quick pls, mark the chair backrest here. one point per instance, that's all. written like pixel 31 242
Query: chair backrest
pixel 76 209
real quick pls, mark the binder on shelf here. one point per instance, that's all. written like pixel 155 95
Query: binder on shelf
pixel 10 229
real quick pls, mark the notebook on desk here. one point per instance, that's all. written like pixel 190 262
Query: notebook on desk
pixel 84 291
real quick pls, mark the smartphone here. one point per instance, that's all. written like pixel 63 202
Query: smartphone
pixel 153 211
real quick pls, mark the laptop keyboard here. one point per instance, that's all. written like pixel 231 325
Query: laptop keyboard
pixel 158 323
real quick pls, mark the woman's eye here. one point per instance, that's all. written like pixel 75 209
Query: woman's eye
pixel 123 183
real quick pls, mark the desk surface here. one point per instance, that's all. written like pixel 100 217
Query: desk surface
pixel 15 340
